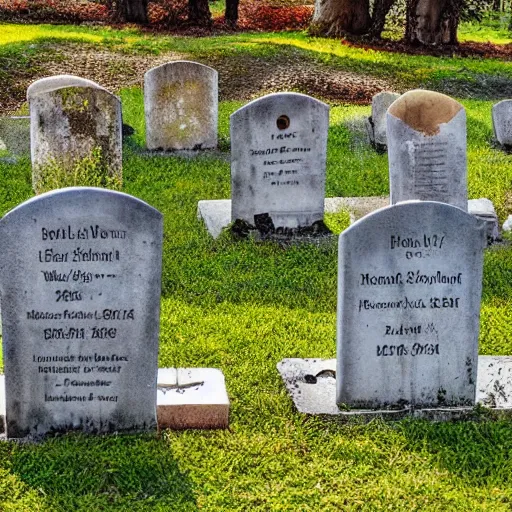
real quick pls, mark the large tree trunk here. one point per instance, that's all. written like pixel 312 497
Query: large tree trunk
pixel 134 11
pixel 231 14
pixel 338 17
pixel 432 22
pixel 380 11
pixel 199 13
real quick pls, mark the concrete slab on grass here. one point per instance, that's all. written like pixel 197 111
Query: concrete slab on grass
pixel 216 213
pixel 311 383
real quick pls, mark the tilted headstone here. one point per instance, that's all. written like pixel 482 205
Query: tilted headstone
pixel 80 272
pixel 409 289
pixel 50 83
pixel 502 122
pixel 427 149
pixel 278 155
pixel 377 121
pixel 72 125
pixel 181 106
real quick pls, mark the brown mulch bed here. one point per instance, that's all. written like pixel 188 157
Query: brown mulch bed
pixel 466 49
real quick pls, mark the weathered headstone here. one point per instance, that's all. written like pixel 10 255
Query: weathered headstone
pixel 80 272
pixel 409 289
pixel 15 134
pixel 377 121
pixel 181 106
pixel 75 125
pixel 50 83
pixel 502 122
pixel 427 149
pixel 278 155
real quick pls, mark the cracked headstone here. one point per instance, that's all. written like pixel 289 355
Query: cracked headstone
pixel 427 149
pixel 50 83
pixel 409 290
pixel 75 132
pixel 278 158
pixel 181 106
pixel 80 273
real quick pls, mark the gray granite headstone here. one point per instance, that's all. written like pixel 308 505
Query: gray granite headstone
pixel 15 134
pixel 57 82
pixel 181 106
pixel 427 149
pixel 409 289
pixel 71 124
pixel 502 122
pixel 278 155
pixel 80 272
pixel 377 121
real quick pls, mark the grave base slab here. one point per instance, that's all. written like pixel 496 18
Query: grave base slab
pixel 311 383
pixel 187 398
pixel 216 213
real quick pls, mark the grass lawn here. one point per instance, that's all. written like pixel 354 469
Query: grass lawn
pixel 242 307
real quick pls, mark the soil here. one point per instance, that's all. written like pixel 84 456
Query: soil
pixel 245 78
pixel 239 78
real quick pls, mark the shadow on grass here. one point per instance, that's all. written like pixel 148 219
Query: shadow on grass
pixel 478 452
pixel 77 472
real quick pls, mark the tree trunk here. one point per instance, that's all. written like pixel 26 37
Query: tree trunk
pixel 199 13
pixel 134 11
pixel 231 14
pixel 338 17
pixel 432 22
pixel 380 11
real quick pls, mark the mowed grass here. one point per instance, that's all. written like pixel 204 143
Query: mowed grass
pixel 242 307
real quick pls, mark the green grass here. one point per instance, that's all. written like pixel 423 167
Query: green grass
pixel 242 307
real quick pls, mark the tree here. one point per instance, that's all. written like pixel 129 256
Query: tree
pixel 432 22
pixel 380 11
pixel 231 14
pixel 199 13
pixel 338 17
pixel 134 11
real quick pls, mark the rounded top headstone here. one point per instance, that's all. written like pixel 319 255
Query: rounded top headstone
pixel 180 66
pixel 50 83
pixel 424 111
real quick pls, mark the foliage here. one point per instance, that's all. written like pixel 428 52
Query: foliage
pixel 255 16
pixel 55 10
pixel 86 172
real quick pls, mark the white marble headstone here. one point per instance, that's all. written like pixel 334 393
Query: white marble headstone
pixel 181 106
pixel 409 290
pixel 278 155
pixel 80 272
pixel 426 134
pixel 73 123
pixel 502 122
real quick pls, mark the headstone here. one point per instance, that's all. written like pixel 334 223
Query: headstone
pixel 50 83
pixel 278 155
pixel 484 210
pixel 507 225
pixel 502 122
pixel 15 134
pixel 181 106
pixel 80 272
pixel 409 289
pixel 427 149
pixel 377 121
pixel 73 125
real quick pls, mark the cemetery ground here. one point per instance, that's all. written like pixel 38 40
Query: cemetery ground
pixel 243 306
